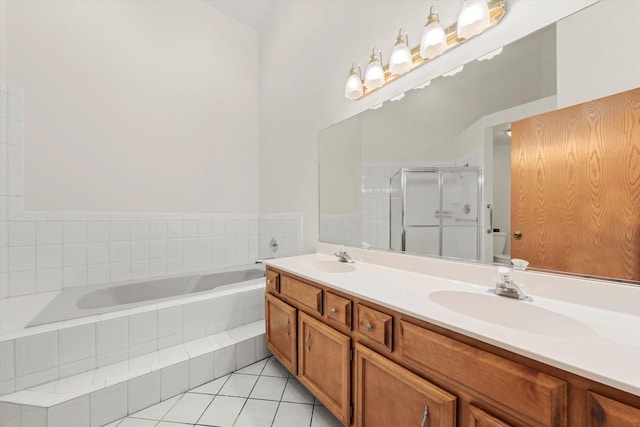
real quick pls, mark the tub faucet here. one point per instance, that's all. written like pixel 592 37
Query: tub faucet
pixel 507 287
pixel 343 256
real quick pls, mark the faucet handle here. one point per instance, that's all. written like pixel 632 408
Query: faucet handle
pixel 505 273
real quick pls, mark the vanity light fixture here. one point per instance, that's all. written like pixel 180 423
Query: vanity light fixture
pixel 423 85
pixel 353 89
pixel 474 18
pixel 490 55
pixel 434 39
pixel 401 58
pixel 453 72
pixel 471 22
pixel 374 76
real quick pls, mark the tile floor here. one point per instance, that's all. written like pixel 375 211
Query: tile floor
pixel 262 394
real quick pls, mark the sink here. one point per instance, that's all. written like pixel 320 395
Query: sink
pixel 511 313
pixel 325 266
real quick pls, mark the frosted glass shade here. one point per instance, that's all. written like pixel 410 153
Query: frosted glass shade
pixel 400 61
pixel 473 19
pixel 353 89
pixel 374 76
pixel 434 41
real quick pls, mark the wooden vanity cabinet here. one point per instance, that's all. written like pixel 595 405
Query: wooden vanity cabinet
pixel 389 395
pixel 281 331
pixel 372 366
pixel 324 365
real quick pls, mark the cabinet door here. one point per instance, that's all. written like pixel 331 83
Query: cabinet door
pixel 389 395
pixel 324 365
pixel 281 325
pixel 611 413
pixel 479 418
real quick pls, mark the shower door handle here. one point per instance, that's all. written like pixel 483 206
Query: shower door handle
pixel 490 229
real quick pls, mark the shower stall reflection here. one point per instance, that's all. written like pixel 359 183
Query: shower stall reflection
pixel 435 211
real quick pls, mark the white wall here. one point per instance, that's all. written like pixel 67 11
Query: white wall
pixel 594 64
pixel 306 50
pixel 135 106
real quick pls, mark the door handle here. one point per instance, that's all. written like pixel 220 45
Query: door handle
pixel 517 235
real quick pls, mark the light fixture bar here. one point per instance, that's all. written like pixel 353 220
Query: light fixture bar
pixel 496 13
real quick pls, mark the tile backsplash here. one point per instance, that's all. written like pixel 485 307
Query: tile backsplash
pixel 47 251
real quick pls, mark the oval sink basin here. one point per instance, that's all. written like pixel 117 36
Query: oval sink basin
pixel 324 266
pixel 511 313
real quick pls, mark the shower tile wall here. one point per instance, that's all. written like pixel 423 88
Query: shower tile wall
pixel 46 251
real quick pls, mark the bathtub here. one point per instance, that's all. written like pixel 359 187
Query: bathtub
pixel 72 303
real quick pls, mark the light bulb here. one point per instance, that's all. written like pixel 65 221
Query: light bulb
pixel 473 19
pixel 374 76
pixel 400 61
pixel 353 89
pixel 434 39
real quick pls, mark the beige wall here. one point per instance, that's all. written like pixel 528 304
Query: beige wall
pixel 138 106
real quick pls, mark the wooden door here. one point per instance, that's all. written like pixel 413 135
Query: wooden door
pixel 325 366
pixel 575 188
pixel 280 319
pixel 389 395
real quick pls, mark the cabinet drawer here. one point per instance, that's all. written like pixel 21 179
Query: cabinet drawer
pixel 375 326
pixel 510 385
pixel 608 412
pixel 273 281
pixel 301 292
pixel 337 309
pixel 480 418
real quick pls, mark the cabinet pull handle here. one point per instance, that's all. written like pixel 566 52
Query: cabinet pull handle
pixel 425 416
pixel 307 342
pixel 368 327
pixel 333 311
pixel 288 327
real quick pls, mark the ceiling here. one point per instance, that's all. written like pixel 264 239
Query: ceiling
pixel 250 12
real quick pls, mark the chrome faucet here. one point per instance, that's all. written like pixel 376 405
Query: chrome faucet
pixel 507 287
pixel 343 256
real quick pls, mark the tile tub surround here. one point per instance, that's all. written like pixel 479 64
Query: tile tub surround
pixel 102 395
pixel 608 311
pixel 48 251
pixel 49 352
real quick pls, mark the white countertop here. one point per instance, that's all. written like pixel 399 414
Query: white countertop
pixel 598 343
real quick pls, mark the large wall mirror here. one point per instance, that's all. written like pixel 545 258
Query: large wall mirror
pixel 429 172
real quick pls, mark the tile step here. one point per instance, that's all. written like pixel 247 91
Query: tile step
pixel 111 392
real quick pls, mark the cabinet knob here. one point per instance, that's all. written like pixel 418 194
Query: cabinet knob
pixel 368 327
pixel 333 311
pixel 269 281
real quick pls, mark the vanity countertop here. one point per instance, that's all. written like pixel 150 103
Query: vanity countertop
pixel 597 343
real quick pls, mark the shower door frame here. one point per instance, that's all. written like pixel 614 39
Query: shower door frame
pixel 403 203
